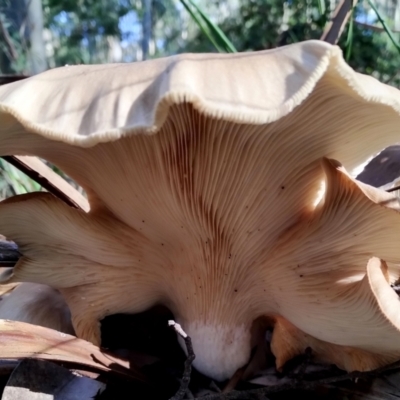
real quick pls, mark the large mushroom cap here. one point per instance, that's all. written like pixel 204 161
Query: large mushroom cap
pixel 203 173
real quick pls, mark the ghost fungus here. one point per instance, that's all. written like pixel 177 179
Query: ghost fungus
pixel 202 173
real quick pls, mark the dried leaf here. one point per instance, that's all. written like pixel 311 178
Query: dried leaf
pixel 21 340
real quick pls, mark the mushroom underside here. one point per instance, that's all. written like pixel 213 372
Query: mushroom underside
pixel 218 217
pixel 218 261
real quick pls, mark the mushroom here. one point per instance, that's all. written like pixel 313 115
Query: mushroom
pixel 203 173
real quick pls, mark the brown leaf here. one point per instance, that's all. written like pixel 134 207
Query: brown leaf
pixel 21 340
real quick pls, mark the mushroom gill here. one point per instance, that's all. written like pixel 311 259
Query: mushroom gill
pixel 202 173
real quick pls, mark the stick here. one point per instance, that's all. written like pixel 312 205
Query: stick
pixel 335 27
pixel 393 189
pixel 180 394
pixel 46 177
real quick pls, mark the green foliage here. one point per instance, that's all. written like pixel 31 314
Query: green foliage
pixel 261 24
pixel 85 17
pixel 81 27
pixel 13 181
pixel 14 44
pixel 385 25
pixel 214 34
pixel 372 52
pixel 265 24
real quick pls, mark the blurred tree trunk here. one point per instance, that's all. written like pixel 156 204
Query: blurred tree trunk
pixel 147 25
pixel 34 33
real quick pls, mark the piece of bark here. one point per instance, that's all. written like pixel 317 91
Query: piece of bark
pixel 9 254
pixel 4 79
pixel 7 367
pixel 43 380
pixel 382 170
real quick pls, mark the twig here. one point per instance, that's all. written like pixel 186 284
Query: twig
pixel 296 384
pixel 375 28
pixel 393 189
pixel 180 394
pixel 335 27
pixel 46 177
